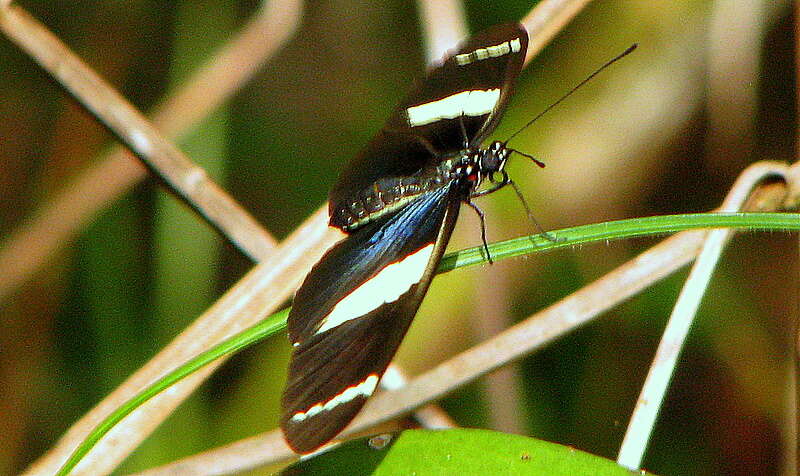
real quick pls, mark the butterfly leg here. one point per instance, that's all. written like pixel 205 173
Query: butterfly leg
pixel 495 187
pixel 507 181
pixel 482 216
pixel 536 226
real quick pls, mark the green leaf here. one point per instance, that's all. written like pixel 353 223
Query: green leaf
pixel 460 451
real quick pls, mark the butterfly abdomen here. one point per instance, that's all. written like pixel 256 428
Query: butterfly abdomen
pixel 390 194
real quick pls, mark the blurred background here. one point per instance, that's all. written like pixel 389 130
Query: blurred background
pixel 667 130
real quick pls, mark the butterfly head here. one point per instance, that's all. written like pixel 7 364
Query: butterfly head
pixel 490 163
pixel 492 159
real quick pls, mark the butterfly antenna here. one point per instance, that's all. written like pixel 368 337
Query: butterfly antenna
pixel 569 93
pixel 534 159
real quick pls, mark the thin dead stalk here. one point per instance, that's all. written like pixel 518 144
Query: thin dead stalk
pixel 444 24
pixel 64 215
pixel 133 129
pixel 547 20
pixel 686 306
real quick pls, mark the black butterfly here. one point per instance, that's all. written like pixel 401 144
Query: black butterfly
pixel 398 201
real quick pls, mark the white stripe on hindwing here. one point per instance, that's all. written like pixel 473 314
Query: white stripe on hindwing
pixel 387 286
pixel 494 51
pixel 363 388
pixel 474 102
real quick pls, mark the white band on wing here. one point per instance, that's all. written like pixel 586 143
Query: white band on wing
pixel 364 388
pixel 475 102
pixel 389 284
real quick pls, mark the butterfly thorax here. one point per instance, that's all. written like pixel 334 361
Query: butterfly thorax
pixel 464 170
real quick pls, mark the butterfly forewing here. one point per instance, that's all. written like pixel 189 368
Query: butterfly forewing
pixel 460 102
pixel 470 89
pixel 352 312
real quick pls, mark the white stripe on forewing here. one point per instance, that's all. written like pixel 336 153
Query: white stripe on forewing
pixel 364 388
pixel 389 284
pixel 475 102
pixel 494 51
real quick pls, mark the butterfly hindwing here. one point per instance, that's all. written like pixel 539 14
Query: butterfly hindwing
pixel 353 310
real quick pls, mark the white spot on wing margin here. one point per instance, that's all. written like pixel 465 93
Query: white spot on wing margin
pixel 364 388
pixel 387 286
pixel 494 51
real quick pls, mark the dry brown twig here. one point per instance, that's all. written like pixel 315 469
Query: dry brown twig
pixel 127 123
pixel 547 20
pixel 60 219
pixel 659 376
pixel 443 25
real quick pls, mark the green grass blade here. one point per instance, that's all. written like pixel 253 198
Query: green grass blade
pixel 269 326
pixel 615 230
pixel 636 227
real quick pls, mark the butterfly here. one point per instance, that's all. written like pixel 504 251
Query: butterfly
pixel 397 202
